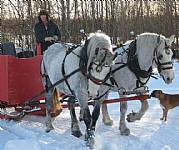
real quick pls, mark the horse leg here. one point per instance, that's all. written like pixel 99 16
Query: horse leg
pixel 122 125
pixel 48 101
pixel 95 114
pixel 48 122
pixel 90 132
pixel 131 117
pixel 89 135
pixel 75 129
pixel 106 118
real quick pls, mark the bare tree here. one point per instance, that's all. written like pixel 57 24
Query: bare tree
pixel 116 18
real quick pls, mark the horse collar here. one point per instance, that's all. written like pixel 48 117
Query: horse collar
pixel 84 58
pixel 134 66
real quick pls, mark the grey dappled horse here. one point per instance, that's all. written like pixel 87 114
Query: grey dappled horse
pixel 133 68
pixel 94 60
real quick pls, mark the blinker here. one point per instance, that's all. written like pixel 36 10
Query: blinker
pixel 96 50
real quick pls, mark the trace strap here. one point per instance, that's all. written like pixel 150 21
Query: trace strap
pixel 51 87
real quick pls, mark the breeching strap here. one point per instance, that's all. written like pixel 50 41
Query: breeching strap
pixel 51 87
pixel 64 76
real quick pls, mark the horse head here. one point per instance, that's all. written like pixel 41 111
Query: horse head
pixel 156 52
pixel 163 57
pixel 100 58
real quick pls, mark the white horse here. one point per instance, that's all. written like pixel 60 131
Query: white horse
pixel 133 68
pixel 89 66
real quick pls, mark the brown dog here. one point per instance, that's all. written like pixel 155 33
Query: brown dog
pixel 167 101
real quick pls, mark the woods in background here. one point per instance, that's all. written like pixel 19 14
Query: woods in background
pixel 114 17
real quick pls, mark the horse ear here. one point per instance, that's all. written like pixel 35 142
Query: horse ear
pixel 170 40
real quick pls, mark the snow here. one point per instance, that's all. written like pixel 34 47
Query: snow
pixel 150 133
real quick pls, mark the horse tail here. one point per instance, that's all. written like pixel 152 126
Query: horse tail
pixel 56 105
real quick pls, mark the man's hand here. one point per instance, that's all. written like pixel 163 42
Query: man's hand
pixel 55 37
pixel 49 39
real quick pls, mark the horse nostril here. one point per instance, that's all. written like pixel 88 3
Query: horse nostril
pixel 98 68
pixel 168 78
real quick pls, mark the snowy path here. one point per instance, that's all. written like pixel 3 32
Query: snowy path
pixel 149 133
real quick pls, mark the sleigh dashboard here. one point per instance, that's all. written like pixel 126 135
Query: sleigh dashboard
pixel 20 79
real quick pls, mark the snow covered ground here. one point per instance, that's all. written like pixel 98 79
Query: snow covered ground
pixel 147 134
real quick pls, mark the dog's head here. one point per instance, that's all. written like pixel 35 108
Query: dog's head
pixel 156 93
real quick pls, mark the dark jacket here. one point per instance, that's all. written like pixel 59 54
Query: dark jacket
pixel 41 32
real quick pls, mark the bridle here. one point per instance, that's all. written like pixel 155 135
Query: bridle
pixel 98 81
pixel 83 67
pixel 158 58
pixel 99 66
pixel 133 65
pixel 86 69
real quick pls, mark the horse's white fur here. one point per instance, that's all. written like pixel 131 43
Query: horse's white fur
pixel 103 41
pixel 53 58
pixel 92 87
pixel 126 79
pixel 146 43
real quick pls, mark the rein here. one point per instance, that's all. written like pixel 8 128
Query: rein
pixel 82 67
pixel 33 99
pixel 133 65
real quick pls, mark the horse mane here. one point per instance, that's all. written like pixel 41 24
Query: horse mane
pixel 146 43
pixel 84 58
pixel 97 40
pixel 152 37
pixel 140 50
pixel 94 41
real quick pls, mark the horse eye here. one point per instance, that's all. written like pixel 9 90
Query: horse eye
pixel 167 51
pixel 160 57
pixel 106 65
pixel 96 51
pixel 166 46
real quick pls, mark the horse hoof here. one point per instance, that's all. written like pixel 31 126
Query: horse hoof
pixel 49 127
pixel 76 133
pixel 129 120
pixel 132 117
pixel 108 122
pixel 89 138
pixel 81 119
pixel 126 132
pixel 90 142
